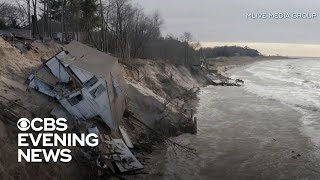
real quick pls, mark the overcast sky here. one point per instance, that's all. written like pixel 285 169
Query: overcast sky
pixel 226 20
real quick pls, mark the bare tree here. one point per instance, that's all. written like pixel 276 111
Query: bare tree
pixel 186 38
pixel 103 39
pixel 13 14
pixel 130 28
pixel 35 28
pixel 62 22
pixel 145 30
pixel 29 13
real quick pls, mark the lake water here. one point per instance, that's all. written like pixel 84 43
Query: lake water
pixel 267 129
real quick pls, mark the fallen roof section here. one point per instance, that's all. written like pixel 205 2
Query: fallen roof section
pixel 85 81
pixel 90 59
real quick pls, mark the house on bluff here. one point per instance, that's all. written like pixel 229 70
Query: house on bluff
pixel 86 82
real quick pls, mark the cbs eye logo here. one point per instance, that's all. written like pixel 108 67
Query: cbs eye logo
pixel 23 124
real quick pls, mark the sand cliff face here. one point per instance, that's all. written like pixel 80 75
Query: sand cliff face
pixel 14 63
pixel 159 93
pixel 15 102
pixel 163 94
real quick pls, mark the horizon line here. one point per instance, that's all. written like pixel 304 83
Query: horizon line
pixel 274 49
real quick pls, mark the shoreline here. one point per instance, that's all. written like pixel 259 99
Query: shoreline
pixel 195 105
pixel 223 64
pixel 153 95
pixel 248 135
pixel 304 110
pixel 163 152
pixel 224 150
pixel 152 86
pixel 156 166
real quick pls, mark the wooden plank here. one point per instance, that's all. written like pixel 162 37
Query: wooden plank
pixel 125 161
pixel 125 136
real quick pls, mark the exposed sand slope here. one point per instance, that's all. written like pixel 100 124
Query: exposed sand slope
pixel 13 63
pixel 14 69
pixel 148 91
pixel 156 90
pixel 158 83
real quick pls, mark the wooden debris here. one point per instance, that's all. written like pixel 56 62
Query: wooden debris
pixel 125 136
pixel 124 159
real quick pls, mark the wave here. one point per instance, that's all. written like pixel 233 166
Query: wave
pixel 295 83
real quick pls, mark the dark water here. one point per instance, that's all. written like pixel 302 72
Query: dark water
pixel 268 129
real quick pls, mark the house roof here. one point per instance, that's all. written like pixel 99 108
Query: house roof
pixel 55 26
pixel 89 59
pixel 25 33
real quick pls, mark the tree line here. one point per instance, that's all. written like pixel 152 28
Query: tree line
pixel 228 51
pixel 118 27
pixel 112 26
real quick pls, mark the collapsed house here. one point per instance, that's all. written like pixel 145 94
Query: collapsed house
pixel 17 33
pixel 86 82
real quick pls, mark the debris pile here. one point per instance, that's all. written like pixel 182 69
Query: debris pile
pixel 71 76
pixel 112 157
pixel 220 80
pixel 88 85
pixel 86 82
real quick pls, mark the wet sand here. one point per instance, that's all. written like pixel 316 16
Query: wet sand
pixel 243 136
